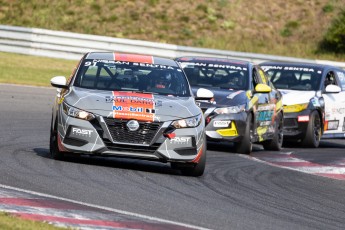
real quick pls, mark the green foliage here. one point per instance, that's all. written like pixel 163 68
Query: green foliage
pixel 334 39
pixel 289 28
pixel 228 24
pixel 328 8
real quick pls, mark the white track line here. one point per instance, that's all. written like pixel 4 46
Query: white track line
pixel 105 208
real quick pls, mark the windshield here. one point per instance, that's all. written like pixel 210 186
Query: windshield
pixel 294 78
pixel 132 76
pixel 221 76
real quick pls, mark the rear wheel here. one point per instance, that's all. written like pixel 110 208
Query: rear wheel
pixel 55 153
pixel 277 141
pixel 314 131
pixel 245 146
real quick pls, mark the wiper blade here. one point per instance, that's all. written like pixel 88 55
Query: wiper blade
pixel 137 91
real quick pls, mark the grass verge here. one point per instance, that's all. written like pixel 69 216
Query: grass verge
pixel 9 221
pixel 32 70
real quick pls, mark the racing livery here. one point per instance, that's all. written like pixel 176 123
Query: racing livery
pixel 129 105
pixel 246 107
pixel 313 100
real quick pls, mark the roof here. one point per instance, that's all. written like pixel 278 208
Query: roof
pixel 127 57
pixel 213 60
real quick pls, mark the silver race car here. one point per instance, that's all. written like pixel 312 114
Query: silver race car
pixel 129 105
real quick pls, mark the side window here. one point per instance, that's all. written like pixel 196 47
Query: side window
pixel 341 77
pixel 256 77
pixel 330 79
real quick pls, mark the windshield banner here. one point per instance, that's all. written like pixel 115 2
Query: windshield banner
pixel 131 105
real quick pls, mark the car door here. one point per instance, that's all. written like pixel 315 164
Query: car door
pixel 264 110
pixel 334 104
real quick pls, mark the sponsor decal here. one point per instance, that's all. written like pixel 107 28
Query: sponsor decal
pixel 221 124
pixel 265 123
pixel 265 115
pixel 266 107
pixel 292 68
pixel 214 65
pixel 231 96
pixel 133 58
pixel 131 105
pixel 180 140
pixel 304 118
pixel 81 132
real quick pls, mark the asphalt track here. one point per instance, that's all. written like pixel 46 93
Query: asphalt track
pixel 236 192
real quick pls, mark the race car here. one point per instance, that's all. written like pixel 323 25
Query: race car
pixel 129 105
pixel 313 100
pixel 246 107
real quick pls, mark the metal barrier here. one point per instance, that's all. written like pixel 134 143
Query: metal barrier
pixel 67 45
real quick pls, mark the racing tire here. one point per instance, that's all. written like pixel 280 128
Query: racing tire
pixel 276 142
pixel 314 131
pixel 55 153
pixel 194 170
pixel 245 146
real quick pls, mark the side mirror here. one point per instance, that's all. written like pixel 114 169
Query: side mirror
pixel 59 82
pixel 204 94
pixel 332 89
pixel 262 88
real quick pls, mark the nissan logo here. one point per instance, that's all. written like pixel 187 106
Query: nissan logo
pixel 133 125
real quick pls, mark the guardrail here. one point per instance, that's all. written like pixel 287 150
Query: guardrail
pixel 67 45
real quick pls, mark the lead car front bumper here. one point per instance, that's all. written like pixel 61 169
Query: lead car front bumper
pixel 109 137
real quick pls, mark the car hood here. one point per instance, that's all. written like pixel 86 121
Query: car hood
pixel 104 103
pixel 293 97
pixel 224 98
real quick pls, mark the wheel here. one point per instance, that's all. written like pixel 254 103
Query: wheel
pixel 314 131
pixel 277 141
pixel 193 169
pixel 55 153
pixel 245 146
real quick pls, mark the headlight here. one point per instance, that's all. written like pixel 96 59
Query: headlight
pixel 77 113
pixel 188 122
pixel 232 109
pixel 295 108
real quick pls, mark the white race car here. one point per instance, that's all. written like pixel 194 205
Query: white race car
pixel 313 100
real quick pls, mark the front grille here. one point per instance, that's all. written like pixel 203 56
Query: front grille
pixel 120 133
pixel 290 122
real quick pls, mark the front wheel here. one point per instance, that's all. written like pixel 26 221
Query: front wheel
pixel 245 146
pixel 277 141
pixel 314 131
pixel 55 153
pixel 196 169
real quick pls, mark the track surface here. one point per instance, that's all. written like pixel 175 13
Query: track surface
pixel 235 193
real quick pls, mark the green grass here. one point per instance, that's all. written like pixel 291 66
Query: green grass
pixel 8 221
pixel 292 28
pixel 32 70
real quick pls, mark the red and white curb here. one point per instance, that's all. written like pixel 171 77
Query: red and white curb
pixel 288 160
pixel 68 213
